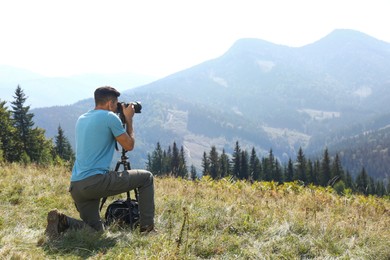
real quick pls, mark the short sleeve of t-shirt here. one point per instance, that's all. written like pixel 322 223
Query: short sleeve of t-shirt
pixel 115 124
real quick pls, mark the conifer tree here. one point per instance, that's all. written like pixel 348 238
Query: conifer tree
pixel 205 164
pixel 149 163
pixel 22 118
pixel 166 163
pixel 278 173
pixel 175 161
pixel 183 171
pixel 214 163
pixel 266 169
pixel 35 146
pixel 362 182
pixel 254 166
pixel 337 169
pixel 193 174
pixel 380 188
pixel 9 144
pixel 325 173
pixel 224 164
pixel 62 147
pixel 310 172
pixel 244 167
pixel 157 160
pixel 289 176
pixel 236 160
pixel 300 171
pixel 317 172
pixel 269 167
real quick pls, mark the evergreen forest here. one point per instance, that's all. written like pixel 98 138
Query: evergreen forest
pixel 21 141
pixel 247 165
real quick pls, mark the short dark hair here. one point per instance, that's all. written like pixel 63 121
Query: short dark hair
pixel 104 94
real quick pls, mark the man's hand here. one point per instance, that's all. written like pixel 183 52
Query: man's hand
pixel 128 111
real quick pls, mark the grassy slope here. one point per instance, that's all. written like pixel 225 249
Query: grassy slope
pixel 205 219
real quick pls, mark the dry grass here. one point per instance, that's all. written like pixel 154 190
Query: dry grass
pixel 205 219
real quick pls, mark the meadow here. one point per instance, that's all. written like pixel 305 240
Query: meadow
pixel 203 219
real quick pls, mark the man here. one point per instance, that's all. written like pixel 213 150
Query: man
pixel 96 134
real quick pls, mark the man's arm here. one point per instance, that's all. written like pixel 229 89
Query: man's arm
pixel 127 140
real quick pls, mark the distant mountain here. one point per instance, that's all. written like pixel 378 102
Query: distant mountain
pixel 55 91
pixel 263 95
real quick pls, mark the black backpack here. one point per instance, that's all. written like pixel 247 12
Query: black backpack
pixel 124 212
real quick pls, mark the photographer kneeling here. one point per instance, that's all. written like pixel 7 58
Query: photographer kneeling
pixel 96 134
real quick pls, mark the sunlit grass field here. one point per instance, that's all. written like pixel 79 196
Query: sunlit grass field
pixel 198 220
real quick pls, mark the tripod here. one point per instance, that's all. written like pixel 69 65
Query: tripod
pixel 126 211
pixel 126 166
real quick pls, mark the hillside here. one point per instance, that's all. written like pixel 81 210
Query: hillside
pixel 195 220
pixel 264 96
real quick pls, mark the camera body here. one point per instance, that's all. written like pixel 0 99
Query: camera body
pixel 137 106
pixel 119 110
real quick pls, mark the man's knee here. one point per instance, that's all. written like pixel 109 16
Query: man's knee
pixel 149 177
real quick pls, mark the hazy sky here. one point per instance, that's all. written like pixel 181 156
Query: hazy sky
pixel 160 37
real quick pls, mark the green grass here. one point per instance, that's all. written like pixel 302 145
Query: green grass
pixel 195 220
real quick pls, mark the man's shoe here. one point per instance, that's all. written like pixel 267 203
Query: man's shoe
pixel 56 224
pixel 147 229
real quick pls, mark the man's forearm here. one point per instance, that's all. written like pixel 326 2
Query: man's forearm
pixel 129 128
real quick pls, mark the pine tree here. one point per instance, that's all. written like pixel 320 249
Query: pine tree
pixel 290 171
pixel 214 163
pixel 175 162
pixel 300 171
pixel 325 173
pixel 236 160
pixel 269 167
pixel 22 118
pixel 349 181
pixel 193 174
pixel 166 163
pixel 62 147
pixel 244 167
pixel 317 172
pixel 362 182
pixel 224 164
pixel 9 143
pixel 183 171
pixel 337 170
pixel 310 172
pixel 380 188
pixel 266 169
pixel 157 161
pixel 205 164
pixel 278 173
pixel 254 166
pixel 149 163
pixel 35 147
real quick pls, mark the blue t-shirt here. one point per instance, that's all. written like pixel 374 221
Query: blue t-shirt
pixel 95 143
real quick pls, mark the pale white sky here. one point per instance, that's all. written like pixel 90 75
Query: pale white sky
pixel 160 37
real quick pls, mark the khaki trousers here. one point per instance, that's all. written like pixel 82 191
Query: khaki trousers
pixel 88 192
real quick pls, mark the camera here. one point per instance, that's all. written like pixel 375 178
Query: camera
pixel 137 107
